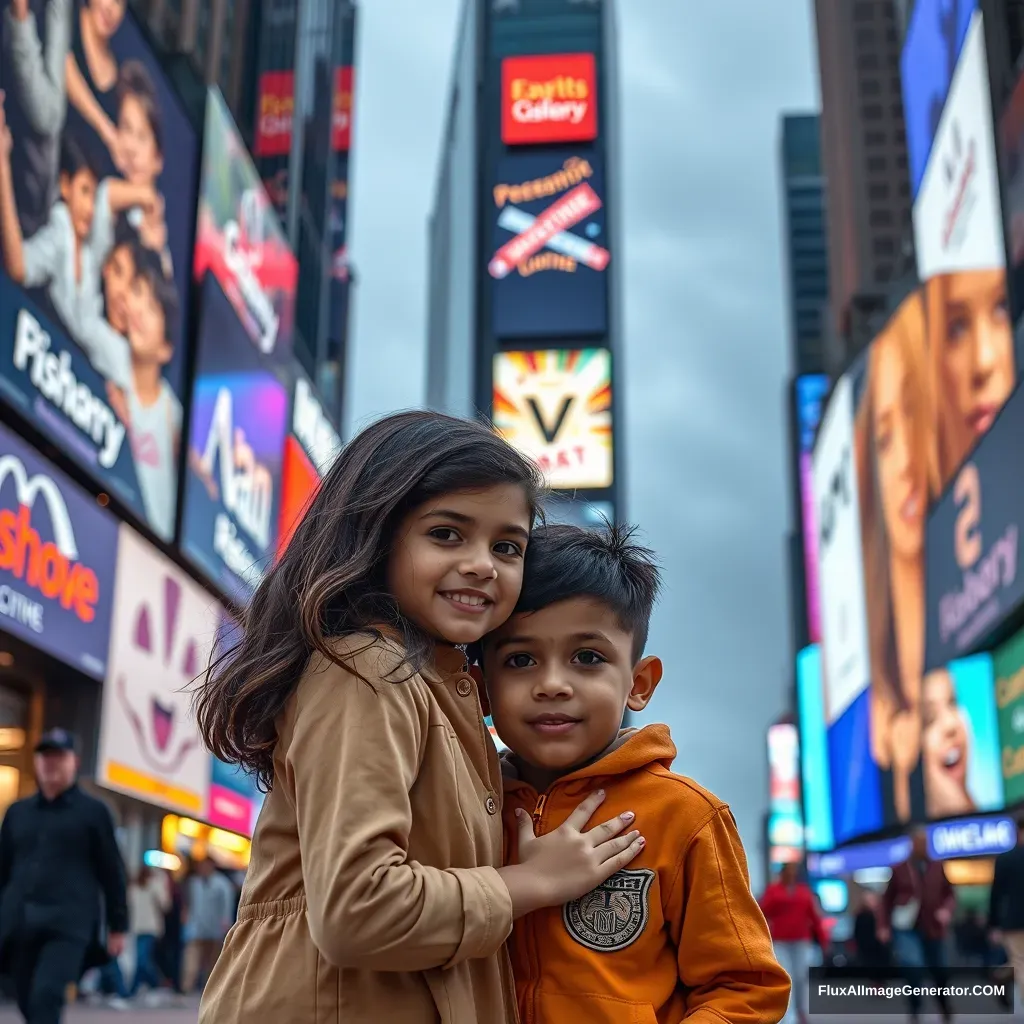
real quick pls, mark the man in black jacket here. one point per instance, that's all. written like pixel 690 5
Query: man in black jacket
pixel 59 864
pixel 1006 905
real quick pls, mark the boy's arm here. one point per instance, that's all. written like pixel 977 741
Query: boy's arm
pixel 725 953
pixel 38 74
pixel 123 195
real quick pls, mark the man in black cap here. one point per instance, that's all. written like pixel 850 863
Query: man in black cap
pixel 59 864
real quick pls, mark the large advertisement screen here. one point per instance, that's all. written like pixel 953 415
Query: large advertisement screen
pixel 785 827
pixel 97 197
pixel 810 392
pixel 814 769
pixel 236 437
pixel 549 252
pixel 164 627
pixel 958 227
pixel 556 406
pixel 239 238
pixel 57 555
pixel 549 98
pixel 974 577
pixel 1009 672
pixel 1011 152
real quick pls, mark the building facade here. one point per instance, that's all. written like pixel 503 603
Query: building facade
pixel 524 306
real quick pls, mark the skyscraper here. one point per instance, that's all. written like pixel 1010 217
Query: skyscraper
pixel 805 238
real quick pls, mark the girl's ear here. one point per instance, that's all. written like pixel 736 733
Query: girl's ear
pixel 478 677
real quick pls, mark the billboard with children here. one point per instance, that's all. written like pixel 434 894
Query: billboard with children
pixel 97 193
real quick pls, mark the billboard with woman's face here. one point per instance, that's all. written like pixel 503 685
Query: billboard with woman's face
pixel 97 196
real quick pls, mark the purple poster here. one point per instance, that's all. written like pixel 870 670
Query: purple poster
pixel 58 549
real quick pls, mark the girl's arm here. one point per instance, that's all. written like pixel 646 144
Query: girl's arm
pixel 83 100
pixel 37 74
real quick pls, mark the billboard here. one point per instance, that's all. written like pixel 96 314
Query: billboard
pixel 236 436
pixel 548 254
pixel 275 107
pixel 974 577
pixel 97 189
pixel 1008 665
pixel 556 407
pixel 164 627
pixel 309 451
pixel 1011 154
pixel 785 826
pixel 814 769
pixel 57 554
pixel 548 98
pixel 239 238
pixel 810 393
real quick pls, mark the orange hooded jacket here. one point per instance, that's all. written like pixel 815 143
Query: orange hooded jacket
pixel 675 936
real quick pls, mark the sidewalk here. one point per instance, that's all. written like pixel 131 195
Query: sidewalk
pixel 82 1014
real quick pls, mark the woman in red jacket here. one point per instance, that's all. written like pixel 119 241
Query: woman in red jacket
pixel 794 921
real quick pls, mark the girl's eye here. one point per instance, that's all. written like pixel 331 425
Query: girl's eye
pixel 518 661
pixel 589 658
pixel 444 533
pixel 508 548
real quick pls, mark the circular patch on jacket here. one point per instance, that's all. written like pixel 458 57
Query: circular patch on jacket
pixel 612 916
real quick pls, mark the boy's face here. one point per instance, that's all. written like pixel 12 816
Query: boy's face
pixel 147 325
pixel 79 194
pixel 140 156
pixel 118 276
pixel 559 680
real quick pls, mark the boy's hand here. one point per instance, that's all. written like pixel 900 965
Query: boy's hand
pixel 19 9
pixel 569 862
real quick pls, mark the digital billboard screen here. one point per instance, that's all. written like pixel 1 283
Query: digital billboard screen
pixel 556 406
pixel 810 392
pixel 239 238
pixel 236 438
pixel 549 98
pixel 785 826
pixel 58 549
pixel 1008 666
pixel 164 627
pixel 814 764
pixel 97 191
pixel 549 245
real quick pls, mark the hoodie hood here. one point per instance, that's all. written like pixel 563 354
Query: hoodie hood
pixel 636 749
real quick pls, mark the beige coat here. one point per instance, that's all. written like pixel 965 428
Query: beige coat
pixel 372 894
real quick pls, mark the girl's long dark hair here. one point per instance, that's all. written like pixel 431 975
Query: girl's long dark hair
pixel 330 582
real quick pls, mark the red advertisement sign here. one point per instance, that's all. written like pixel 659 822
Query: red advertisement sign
pixel 341 121
pixel 274 113
pixel 551 98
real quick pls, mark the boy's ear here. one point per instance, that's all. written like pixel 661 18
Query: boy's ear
pixel 646 677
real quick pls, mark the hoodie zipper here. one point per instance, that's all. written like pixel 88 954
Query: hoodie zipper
pixel 539 810
pixel 532 1011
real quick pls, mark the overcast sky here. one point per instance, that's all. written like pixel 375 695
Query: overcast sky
pixel 705 347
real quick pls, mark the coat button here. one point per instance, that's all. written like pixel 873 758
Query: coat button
pixel 464 688
pixel 491 805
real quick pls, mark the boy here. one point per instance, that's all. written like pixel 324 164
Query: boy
pixel 677 934
pixel 154 411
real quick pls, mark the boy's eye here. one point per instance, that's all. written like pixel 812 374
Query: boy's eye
pixel 589 658
pixel 444 533
pixel 520 660
pixel 509 548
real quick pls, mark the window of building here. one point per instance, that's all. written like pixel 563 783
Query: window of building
pixel 863 10
pixel 874 138
pixel 872 111
pixel 870 87
pixel 883 272
pixel 883 246
pixel 867 61
pixel 878 190
pixel 879 218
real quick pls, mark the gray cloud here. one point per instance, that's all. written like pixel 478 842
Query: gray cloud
pixel 705 352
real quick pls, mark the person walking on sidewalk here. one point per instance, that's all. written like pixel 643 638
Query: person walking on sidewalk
pixel 149 897
pixel 1006 905
pixel 210 906
pixel 58 858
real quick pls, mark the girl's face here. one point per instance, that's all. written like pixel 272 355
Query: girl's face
pixel 118 273
pixel 976 351
pixel 456 564
pixel 147 333
pixel 944 737
pixel 141 159
pixel 107 16
pixel 901 477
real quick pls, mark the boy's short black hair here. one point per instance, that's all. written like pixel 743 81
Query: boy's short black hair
pixel 135 80
pixel 149 266
pixel 126 236
pixel 563 562
pixel 76 158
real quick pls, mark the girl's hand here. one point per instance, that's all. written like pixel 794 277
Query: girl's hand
pixel 568 862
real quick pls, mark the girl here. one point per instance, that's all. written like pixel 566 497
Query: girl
pixel 945 748
pixel 375 890
pixel 149 897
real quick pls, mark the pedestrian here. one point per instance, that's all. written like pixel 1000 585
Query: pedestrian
pixel 794 921
pixel 917 910
pixel 149 898
pixel 59 867
pixel 209 910
pixel 1006 905
pixel 376 889
pixel 872 952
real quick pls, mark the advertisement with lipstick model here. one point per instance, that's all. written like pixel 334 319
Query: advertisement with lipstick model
pixel 164 627
pixel 239 238
pixel 549 252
